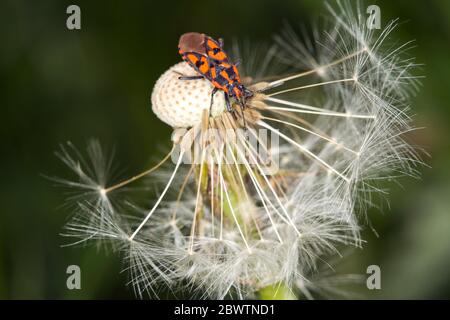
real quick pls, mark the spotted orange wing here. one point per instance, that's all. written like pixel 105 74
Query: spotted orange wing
pixel 217 78
pixel 199 62
pixel 215 51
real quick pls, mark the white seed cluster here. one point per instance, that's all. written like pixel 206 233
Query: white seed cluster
pixel 180 103
pixel 227 225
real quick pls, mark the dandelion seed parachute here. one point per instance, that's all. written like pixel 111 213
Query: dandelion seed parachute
pixel 231 228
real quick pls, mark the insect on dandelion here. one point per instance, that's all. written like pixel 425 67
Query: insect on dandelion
pixel 267 174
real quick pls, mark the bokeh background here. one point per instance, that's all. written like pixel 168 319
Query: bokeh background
pixel 58 85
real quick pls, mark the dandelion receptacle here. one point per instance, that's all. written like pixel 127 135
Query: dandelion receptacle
pixel 250 203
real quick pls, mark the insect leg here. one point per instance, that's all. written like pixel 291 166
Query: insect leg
pixel 227 102
pixel 213 92
pixel 190 77
pixel 242 105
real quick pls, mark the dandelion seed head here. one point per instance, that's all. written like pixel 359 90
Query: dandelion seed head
pixel 219 225
pixel 180 103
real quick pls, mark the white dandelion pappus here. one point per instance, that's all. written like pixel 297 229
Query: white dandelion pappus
pixel 231 229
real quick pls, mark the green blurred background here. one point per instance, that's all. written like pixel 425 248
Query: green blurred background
pixel 58 85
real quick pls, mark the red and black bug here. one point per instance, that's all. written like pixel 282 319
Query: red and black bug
pixel 208 58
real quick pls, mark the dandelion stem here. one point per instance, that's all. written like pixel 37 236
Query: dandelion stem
pixel 276 292
pixel 293 104
pixel 303 149
pixel 180 159
pixel 197 201
pixel 315 70
pixel 311 86
pixel 211 167
pixel 232 210
pixel 219 161
pixel 140 175
pixel 311 132
pixel 180 193
pixel 332 114
pixel 273 191
pixel 241 180
pixel 262 195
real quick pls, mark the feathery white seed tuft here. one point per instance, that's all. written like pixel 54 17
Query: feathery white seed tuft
pixel 180 103
pixel 222 229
